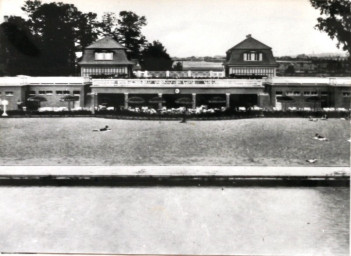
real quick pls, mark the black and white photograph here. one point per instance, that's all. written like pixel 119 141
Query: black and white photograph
pixel 175 127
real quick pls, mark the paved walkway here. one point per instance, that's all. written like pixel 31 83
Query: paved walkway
pixel 174 170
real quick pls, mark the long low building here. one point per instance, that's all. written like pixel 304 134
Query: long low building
pixel 266 93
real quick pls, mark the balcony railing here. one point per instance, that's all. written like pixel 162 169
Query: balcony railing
pixel 203 83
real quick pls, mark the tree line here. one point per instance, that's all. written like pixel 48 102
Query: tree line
pixel 48 41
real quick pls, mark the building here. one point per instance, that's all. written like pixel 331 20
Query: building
pixel 106 58
pixel 250 59
pixel 250 81
pixel 17 90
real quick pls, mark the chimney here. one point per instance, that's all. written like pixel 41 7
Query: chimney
pixel 6 18
pixel 248 36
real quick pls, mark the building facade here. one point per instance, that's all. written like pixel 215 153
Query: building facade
pixel 106 58
pixel 250 59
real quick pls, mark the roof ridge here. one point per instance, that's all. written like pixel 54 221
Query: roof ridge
pixel 255 44
pixel 107 42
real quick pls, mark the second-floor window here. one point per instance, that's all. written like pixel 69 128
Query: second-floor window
pixel 253 56
pixel 104 56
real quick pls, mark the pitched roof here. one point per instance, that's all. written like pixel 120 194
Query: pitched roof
pixel 106 43
pixel 249 43
pixel 119 58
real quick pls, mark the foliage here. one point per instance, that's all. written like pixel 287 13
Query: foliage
pixel 335 20
pixel 18 50
pixel 178 66
pixel 156 58
pixel 46 43
pixel 109 24
pixel 129 33
pixel 290 70
pixel 61 29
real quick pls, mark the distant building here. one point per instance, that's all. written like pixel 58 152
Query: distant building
pixel 250 58
pixel 200 66
pixel 300 66
pixel 105 57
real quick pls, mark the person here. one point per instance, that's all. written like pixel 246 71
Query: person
pixel 312 119
pixel 319 137
pixel 184 116
pixel 324 117
pixel 105 129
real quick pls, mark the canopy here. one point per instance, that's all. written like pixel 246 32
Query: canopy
pixel 217 100
pixel 136 100
pixel 184 101
pixel 157 100
pixel 37 98
pixel 69 98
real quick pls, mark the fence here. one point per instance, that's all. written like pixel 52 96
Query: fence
pixel 179 74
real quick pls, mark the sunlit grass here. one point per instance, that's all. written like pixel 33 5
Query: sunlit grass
pixel 70 141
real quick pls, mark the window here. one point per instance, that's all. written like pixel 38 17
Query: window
pixel 314 93
pixel 66 92
pixel 8 93
pixel 59 92
pixel 41 92
pixel 278 93
pixel 253 56
pixel 324 93
pixel 31 92
pixel 307 93
pixel 297 93
pixel 48 92
pixel 289 93
pixel 76 92
pixel 346 94
pixel 104 56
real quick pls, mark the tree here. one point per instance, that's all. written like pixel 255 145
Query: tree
pixel 335 20
pixel 129 33
pixel 18 50
pixel 155 57
pixel 290 70
pixel 178 66
pixel 60 30
pixel 109 24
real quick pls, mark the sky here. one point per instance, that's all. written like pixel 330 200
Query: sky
pixel 211 27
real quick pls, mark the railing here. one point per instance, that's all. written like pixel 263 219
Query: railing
pixel 176 83
pixel 180 74
pixel 50 80
pixel 333 81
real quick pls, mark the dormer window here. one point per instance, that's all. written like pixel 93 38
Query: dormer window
pixel 253 56
pixel 103 55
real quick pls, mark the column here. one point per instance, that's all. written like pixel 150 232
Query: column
pixel 194 100
pixel 160 104
pixel 227 100
pixel 167 73
pixel 126 100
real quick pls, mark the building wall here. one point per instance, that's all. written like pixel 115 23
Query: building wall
pixel 341 97
pixel 13 94
pixel 53 94
pixel 300 94
pixel 172 90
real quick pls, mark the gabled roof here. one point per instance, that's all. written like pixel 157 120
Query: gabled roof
pixel 250 43
pixel 105 43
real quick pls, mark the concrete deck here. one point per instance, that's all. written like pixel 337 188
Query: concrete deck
pixel 282 171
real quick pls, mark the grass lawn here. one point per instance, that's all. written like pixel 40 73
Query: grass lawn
pixel 274 142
